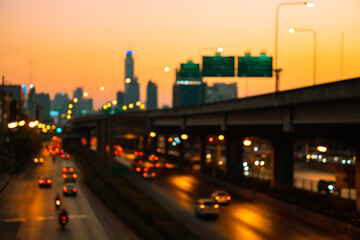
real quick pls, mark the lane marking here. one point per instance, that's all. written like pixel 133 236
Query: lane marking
pixel 14 220
pixel 77 216
pixel 44 218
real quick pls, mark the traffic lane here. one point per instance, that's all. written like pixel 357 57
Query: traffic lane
pixel 91 204
pixel 202 229
pixel 34 209
pixel 243 219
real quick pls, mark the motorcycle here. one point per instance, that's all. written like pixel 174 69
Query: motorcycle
pixel 63 219
pixel 57 203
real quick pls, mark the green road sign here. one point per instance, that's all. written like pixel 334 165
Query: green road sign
pixel 189 70
pixel 218 66
pixel 249 66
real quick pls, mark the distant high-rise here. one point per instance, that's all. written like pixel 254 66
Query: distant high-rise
pixel 120 98
pixel 151 96
pixel 188 88
pixel 43 107
pixel 132 91
pixel 17 101
pixel 60 103
pixel 78 93
pixel 31 103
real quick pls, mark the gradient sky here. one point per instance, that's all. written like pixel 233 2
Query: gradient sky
pixel 82 43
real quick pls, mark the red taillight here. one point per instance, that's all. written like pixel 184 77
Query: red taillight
pixel 157 165
pixel 63 217
pixel 68 156
pixel 228 198
pixel 48 181
pixel 133 161
pixel 156 158
pixel 167 165
pixel 136 153
pixel 217 198
pixel 151 165
pixel 153 174
pixel 141 153
pixel 146 169
pixel 75 175
pixel 65 189
pixel 202 206
pixel 64 176
pixel 138 169
pixel 74 189
pixel 116 152
pixel 140 162
pixel 145 174
pixel 61 151
pixel 216 206
pixel 62 156
pixel 64 170
pixel 71 169
pixel 41 181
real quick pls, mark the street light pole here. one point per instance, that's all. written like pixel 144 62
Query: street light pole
pixel 278 70
pixel 293 30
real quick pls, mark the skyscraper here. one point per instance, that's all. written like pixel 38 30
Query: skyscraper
pixel 120 98
pixel 151 96
pixel 131 84
pixel 78 93
pixel 189 88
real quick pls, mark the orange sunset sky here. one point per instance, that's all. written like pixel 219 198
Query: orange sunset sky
pixel 82 43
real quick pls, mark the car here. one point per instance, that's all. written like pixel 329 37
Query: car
pixel 68 169
pixel 44 181
pixel 65 155
pixel 136 162
pixel 69 177
pixel 327 186
pixel 206 207
pixel 138 153
pixel 221 197
pixel 141 169
pixel 38 160
pixel 69 189
pixel 169 165
pixel 149 174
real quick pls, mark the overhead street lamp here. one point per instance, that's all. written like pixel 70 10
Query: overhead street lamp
pixel 293 30
pixel 276 69
pixel 218 50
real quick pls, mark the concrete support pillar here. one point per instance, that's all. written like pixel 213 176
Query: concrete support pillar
pixel 283 164
pixel 88 137
pixel 166 150
pixel 203 144
pixel 234 155
pixel 182 151
pixel 357 177
pixel 110 141
pixel 154 144
pixel 102 140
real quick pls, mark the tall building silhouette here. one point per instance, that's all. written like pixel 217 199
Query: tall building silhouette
pixel 189 89
pixel 151 96
pixel 131 84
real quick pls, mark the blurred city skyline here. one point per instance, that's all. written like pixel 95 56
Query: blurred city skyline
pixel 59 46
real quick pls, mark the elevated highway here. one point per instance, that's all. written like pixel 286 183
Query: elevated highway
pixel 330 111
